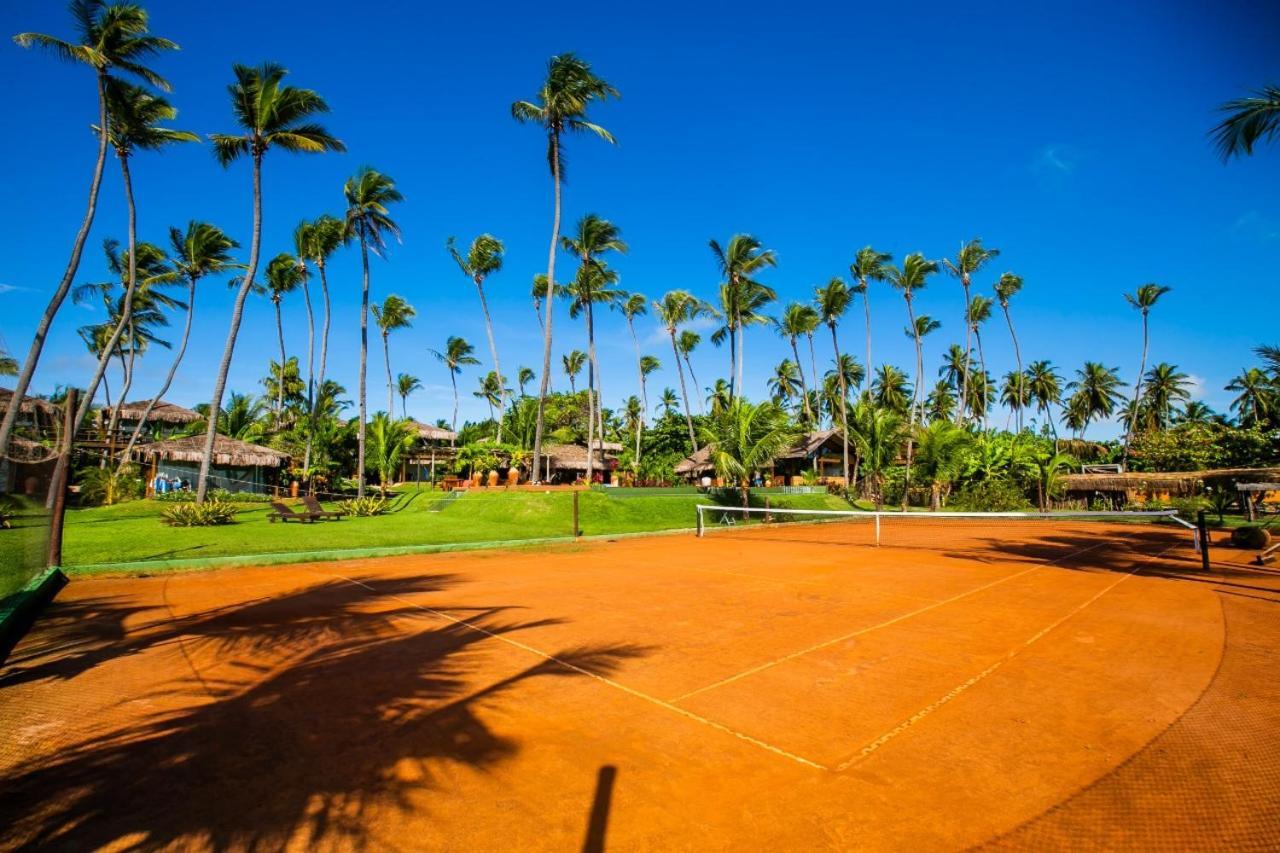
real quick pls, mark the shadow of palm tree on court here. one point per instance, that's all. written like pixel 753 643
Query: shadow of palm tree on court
pixel 359 721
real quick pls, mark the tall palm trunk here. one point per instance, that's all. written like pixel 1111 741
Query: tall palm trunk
pixel 168 379
pixel 968 330
pixel 283 356
pixel 644 395
pixel 915 400
pixel 866 310
pixel 742 346
pixel 982 365
pixel 593 379
pixel 126 372
pixel 844 406
pixel 804 386
pixel 813 365
pixel 453 378
pixel 546 327
pixel 493 351
pixel 73 264
pixel 684 392
pixel 1137 389
pixel 324 356
pixel 237 314
pixel 364 362
pixel 702 404
pixel 311 354
pixel 391 387
pixel 1017 358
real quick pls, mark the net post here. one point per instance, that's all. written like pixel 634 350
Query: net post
pixel 1202 533
pixel 576 531
pixel 877 529
pixel 699 510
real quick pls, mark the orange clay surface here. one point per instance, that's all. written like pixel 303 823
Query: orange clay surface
pixel 1029 688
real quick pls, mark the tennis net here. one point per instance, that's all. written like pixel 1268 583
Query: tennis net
pixel 1031 534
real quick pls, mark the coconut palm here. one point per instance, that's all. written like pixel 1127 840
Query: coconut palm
pixel 635 305
pixel 202 250
pixel 394 313
pixel 270 115
pixel 1250 120
pixel 832 301
pixel 316 241
pixel 877 433
pixel 982 394
pixel 1006 288
pixel 284 381
pixel 798 319
pixel 785 383
pixel 1096 393
pixel 1044 388
pixel 1015 394
pixel 573 363
pixel 1164 387
pixel 593 283
pixel 741 296
pixel 979 313
pixel 891 390
pixel 109 37
pixel 524 375
pixel 940 404
pixel 720 397
pixel 677 308
pixel 560 107
pixel 1256 402
pixel 745 438
pixel 539 292
pixel 648 364
pixel 1142 300
pixel 283 277
pixel 406 384
pixel 457 352
pixel 368 193
pixel 971 258
pixel 483 259
pixel 668 401
pixel 868 266
pixel 942 453
pixel 389 441
pixel 1195 412
pixel 952 366
pixel 913 276
pixel 924 326
pixel 491 391
pixel 302 238
pixel 685 345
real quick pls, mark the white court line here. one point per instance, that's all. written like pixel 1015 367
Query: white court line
pixel 600 678
pixel 849 636
pixel 866 751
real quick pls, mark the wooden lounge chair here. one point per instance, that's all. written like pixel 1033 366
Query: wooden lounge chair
pixel 280 512
pixel 313 507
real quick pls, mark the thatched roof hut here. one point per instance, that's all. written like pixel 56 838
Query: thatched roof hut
pixel 427 432
pixel 227 452
pixel 573 457
pixel 164 413
pixel 29 405
pixel 809 446
pixel 694 464
pixel 1176 483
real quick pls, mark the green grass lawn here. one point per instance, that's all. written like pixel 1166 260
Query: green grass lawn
pixel 100 538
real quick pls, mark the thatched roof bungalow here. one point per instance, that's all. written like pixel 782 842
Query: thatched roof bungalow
pixel 1142 486
pixel 820 451
pixel 565 463
pixel 431 433
pixel 162 413
pixel 236 465
pixel 31 406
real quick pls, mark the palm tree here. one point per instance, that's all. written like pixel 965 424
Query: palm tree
pixel 283 276
pixel 316 241
pixel 925 325
pixel 1256 402
pixel 971 258
pixel 1015 394
pixel 406 384
pixel 203 250
pixel 676 308
pixel 539 292
pixel 271 115
pixel 1096 394
pixel 786 383
pixel 483 258
pixel 648 364
pixel 368 194
pixel 1044 387
pixel 573 363
pixel 868 266
pixel 491 391
pixel 593 283
pixel 394 313
pixel 668 401
pixel 303 236
pixel 633 417
pixel 741 297
pixel 389 441
pixel 952 366
pixel 524 376
pixel 833 300
pixel 1164 387
pixel 635 305
pixel 1006 288
pixel 941 402
pixel 560 107
pixel 133 116
pixel 798 319
pixel 109 36
pixel 745 438
pixel 877 432
pixel 1249 120
pixel 720 396
pixel 979 313
pixel 685 345
pixel 1142 300
pixel 913 276
pixel 943 453
pixel 891 390
pixel 1195 412
pixel 457 352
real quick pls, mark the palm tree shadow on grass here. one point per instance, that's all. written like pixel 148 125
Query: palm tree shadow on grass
pixel 358 725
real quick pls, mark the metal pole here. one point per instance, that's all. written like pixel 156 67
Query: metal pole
pixel 877 529
pixel 576 531
pixel 1202 529
pixel 58 488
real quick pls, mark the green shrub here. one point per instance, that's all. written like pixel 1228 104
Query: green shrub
pixel 104 487
pixel 200 515
pixel 370 505
pixel 994 494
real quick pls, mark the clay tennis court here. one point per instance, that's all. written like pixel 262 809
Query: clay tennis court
pixel 1077 685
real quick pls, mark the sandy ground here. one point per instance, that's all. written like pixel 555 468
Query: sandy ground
pixel 1033 688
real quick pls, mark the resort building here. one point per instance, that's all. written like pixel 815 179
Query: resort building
pixel 817 454
pixel 237 466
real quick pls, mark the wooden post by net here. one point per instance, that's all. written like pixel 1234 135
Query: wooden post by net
pixel 58 488
pixel 576 531
pixel 1202 530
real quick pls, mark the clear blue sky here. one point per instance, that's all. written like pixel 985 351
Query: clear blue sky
pixel 1070 136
